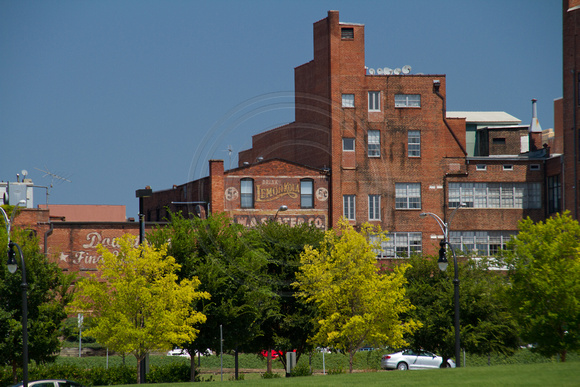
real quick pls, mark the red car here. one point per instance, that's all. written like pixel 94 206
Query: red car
pixel 275 353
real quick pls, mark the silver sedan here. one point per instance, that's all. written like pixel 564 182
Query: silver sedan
pixel 414 360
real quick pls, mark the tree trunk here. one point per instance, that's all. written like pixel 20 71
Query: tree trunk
pixel 350 360
pixel 139 370
pixel 563 356
pixel 269 361
pixel 192 369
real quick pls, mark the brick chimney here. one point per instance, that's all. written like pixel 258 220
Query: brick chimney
pixel 216 178
pixel 535 130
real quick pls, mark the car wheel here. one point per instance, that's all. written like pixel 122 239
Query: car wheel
pixel 402 366
pixel 446 365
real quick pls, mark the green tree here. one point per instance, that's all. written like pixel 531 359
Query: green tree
pixel 290 328
pixel 47 295
pixel 137 303
pixel 231 264
pixel 545 275
pixel 357 303
pixel 487 324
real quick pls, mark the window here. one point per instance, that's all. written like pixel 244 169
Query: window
pixel 508 167
pixel 348 100
pixel 348 144
pixel 349 206
pixel 407 100
pixel 374 207
pixel 306 193
pixel 247 193
pixel 483 243
pixel 534 167
pixel 481 167
pixel 399 245
pixel 407 195
pixel 414 143
pixel 498 141
pixel 374 101
pixel 374 143
pixel 347 33
pixel 495 195
pixel 554 194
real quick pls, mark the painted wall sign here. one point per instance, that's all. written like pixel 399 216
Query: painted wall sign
pixel 272 189
pixel 319 221
pixel 87 256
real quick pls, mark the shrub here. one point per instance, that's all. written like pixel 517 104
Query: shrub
pixel 302 369
pixel 170 373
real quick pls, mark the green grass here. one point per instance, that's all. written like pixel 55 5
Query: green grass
pixel 547 374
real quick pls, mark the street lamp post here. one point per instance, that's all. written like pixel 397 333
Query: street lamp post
pixel 282 208
pixel 142 193
pixel 442 262
pixel 12 267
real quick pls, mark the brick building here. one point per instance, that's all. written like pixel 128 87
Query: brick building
pixel 568 108
pixel 382 147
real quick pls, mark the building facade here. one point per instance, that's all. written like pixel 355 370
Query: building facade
pixel 383 150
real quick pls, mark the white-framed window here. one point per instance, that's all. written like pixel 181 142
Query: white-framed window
pixel 399 245
pixel 348 100
pixel 374 207
pixel 374 143
pixel 247 193
pixel 407 100
pixel 508 167
pixel 348 144
pixel 306 193
pixel 374 101
pixel 481 167
pixel 407 195
pixel 414 143
pixel 495 195
pixel 482 243
pixel 349 206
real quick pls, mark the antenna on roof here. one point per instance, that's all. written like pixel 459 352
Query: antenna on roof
pixel 230 151
pixel 53 176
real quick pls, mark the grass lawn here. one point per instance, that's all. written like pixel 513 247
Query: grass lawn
pixel 546 374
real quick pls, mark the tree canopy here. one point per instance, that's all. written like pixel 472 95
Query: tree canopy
pixel 48 293
pixel 487 324
pixel 358 304
pixel 545 274
pixel 138 304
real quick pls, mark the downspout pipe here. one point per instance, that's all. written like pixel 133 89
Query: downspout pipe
pixel 46 235
pixel 436 85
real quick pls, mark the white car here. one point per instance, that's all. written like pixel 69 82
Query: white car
pixel 414 360
pixel 50 383
pixel 179 352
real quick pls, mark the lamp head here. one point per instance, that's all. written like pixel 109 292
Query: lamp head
pixel 283 208
pixel 12 266
pixel 422 214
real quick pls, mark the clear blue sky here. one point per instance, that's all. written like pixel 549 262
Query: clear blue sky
pixel 117 95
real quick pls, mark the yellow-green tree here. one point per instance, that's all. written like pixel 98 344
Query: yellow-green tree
pixel 137 303
pixel 358 304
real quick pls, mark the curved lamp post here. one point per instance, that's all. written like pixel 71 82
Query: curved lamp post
pixel 442 263
pixel 282 208
pixel 12 267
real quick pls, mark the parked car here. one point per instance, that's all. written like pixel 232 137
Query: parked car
pixel 50 383
pixel 414 360
pixel 179 352
pixel 275 353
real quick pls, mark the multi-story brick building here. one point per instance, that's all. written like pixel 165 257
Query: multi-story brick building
pixel 383 147
pixel 569 106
